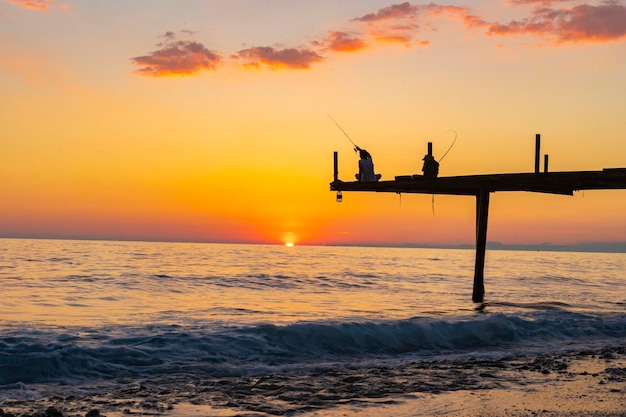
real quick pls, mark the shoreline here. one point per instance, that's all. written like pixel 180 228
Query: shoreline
pixel 589 383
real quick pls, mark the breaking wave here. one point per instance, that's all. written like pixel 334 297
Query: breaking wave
pixel 114 353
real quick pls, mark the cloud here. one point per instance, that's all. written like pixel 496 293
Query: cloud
pixel 585 22
pixel 34 4
pixel 393 12
pixel 582 23
pixel 544 2
pixel 403 23
pixel 344 42
pixel 397 23
pixel 293 58
pixel 464 14
pixel 177 57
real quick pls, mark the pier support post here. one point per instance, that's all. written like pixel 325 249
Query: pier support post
pixel 482 214
pixel 336 174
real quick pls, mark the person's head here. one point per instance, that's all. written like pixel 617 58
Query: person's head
pixel 428 157
pixel 364 154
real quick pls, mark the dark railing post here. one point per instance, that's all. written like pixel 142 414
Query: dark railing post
pixel 482 214
pixel 537 146
pixel 336 174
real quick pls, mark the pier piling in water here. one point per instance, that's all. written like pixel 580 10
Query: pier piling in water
pixel 482 214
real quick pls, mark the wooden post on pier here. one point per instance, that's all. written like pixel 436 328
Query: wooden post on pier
pixel 336 160
pixel 537 146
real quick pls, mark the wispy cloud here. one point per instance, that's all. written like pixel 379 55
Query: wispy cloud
pixel 292 58
pixel 582 23
pixel 177 57
pixel 603 22
pixel 544 2
pixel 393 12
pixel 41 5
pixel 401 23
pixel 398 23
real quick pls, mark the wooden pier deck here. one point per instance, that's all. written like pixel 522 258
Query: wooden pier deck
pixel 481 186
pixel 551 182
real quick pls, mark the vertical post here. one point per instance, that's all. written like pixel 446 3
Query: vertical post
pixel 545 163
pixel 482 214
pixel 430 148
pixel 537 146
pixel 336 173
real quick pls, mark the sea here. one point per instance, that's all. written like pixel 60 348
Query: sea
pixel 151 328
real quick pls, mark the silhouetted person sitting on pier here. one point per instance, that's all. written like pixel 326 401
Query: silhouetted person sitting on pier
pixel 430 168
pixel 366 167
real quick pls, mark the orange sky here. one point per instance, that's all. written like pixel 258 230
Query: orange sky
pixel 209 122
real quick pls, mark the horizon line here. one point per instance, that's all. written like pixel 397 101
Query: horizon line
pixel 593 247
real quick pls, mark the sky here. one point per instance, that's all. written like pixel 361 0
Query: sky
pixel 208 120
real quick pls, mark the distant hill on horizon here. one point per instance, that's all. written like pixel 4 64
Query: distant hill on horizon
pixel 612 247
pixel 608 247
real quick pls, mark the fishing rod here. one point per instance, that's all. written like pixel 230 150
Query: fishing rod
pixel 356 147
pixel 440 159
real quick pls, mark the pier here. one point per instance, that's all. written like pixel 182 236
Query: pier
pixel 481 186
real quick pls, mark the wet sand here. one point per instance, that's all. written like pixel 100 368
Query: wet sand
pixel 575 384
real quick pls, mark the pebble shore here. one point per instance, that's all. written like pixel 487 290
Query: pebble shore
pixel 578 384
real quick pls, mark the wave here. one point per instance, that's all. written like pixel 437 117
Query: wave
pixel 117 352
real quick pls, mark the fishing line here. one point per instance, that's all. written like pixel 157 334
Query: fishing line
pixel 441 159
pixel 356 147
pixel 453 142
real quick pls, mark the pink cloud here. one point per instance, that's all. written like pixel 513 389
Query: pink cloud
pixel 292 58
pixel 544 2
pixel 393 12
pixel 582 23
pixel 387 37
pixel 398 23
pixel 34 4
pixel 343 42
pixel 184 57
pixel 402 22
pixel 455 12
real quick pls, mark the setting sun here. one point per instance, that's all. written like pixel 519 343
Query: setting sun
pixel 289 244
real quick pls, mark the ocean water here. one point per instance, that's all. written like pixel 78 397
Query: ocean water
pixel 261 330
